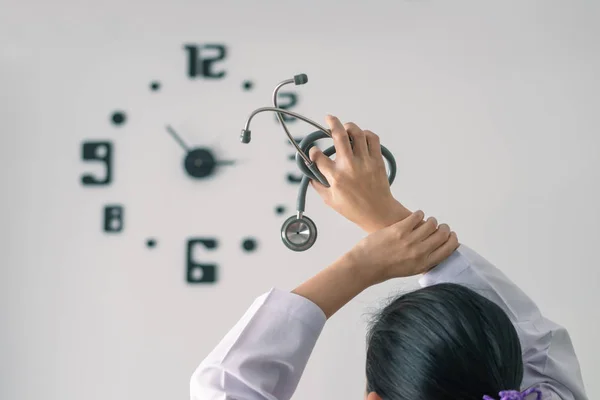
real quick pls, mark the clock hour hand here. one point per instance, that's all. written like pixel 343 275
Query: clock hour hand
pixel 201 162
pixel 224 162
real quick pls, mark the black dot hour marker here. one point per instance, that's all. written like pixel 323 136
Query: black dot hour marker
pixel 247 85
pixel 154 86
pixel 249 245
pixel 118 118
pixel 280 210
pixel 151 243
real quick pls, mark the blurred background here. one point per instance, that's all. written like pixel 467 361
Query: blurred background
pixel 123 265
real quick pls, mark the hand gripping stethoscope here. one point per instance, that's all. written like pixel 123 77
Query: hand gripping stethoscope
pixel 299 232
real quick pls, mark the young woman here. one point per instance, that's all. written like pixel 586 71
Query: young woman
pixel 468 333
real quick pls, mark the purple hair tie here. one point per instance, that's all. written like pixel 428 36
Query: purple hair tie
pixel 514 395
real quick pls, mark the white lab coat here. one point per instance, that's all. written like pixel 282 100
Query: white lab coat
pixel 264 355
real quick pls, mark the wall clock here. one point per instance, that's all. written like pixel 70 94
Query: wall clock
pixel 201 63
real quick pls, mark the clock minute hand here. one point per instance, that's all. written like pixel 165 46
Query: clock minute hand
pixel 177 138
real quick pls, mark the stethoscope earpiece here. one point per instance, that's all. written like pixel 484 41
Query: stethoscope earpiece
pixel 299 232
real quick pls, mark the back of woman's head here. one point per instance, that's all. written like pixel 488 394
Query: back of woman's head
pixel 442 342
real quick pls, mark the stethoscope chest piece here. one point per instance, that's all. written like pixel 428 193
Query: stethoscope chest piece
pixel 298 233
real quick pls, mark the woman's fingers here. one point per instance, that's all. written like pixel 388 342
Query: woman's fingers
pixel 437 239
pixel 325 164
pixel 359 141
pixel 374 145
pixel 409 223
pixel 424 230
pixel 340 137
pixel 442 252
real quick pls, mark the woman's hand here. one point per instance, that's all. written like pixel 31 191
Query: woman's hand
pixel 403 249
pixel 400 243
pixel 359 187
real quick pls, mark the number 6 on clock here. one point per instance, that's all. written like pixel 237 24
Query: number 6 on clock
pixel 198 272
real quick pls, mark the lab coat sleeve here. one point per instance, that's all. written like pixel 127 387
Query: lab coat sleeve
pixel 264 355
pixel 549 358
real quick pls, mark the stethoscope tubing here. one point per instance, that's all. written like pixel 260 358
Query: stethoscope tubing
pixel 305 164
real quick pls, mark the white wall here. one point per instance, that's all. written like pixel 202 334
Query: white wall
pixel 491 109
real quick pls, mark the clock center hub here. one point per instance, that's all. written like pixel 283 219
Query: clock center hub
pixel 199 163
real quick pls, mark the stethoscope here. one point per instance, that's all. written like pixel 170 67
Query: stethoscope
pixel 299 232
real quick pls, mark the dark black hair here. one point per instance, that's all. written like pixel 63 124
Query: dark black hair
pixel 442 342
